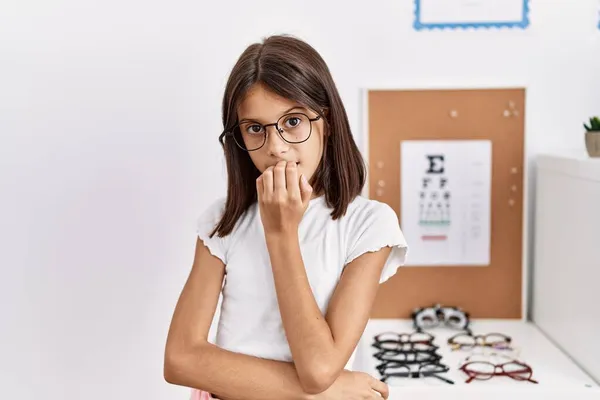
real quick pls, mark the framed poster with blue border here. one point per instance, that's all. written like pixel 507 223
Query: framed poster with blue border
pixel 475 14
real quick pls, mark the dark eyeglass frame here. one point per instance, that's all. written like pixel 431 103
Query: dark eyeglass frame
pixel 231 132
pixel 392 354
pixel 405 347
pixel 499 370
pixel 420 373
pixel 404 337
pixel 434 358
pixel 505 344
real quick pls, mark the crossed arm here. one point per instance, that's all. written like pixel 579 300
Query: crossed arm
pixel 320 345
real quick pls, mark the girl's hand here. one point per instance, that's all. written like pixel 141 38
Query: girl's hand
pixel 355 386
pixel 283 197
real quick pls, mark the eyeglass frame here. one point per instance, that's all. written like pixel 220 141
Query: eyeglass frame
pixel 390 355
pixel 443 317
pixel 405 347
pixel 473 374
pixel 230 132
pixel 506 344
pixel 419 373
pixel 400 337
pixel 432 358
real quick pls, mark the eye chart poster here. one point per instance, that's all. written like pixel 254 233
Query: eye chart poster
pixel 445 211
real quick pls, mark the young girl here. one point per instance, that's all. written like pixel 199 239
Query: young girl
pixel 294 248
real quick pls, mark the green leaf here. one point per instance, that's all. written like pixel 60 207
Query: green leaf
pixel 594 124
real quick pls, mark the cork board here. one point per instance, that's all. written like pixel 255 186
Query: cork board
pixel 493 291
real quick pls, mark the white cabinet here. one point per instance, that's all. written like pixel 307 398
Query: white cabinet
pixel 566 272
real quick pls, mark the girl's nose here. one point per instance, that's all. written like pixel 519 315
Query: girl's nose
pixel 275 144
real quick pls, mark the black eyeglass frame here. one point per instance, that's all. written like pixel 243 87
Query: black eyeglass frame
pixel 420 373
pixel 231 132
pixel 405 347
pixel 433 358
pixel 404 337
pixel 384 355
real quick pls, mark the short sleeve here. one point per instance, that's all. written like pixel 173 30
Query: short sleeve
pixel 376 227
pixel 206 223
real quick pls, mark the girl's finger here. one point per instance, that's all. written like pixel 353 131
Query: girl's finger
pixel 305 190
pixel 279 177
pixel 381 387
pixel 260 187
pixel 292 180
pixel 268 182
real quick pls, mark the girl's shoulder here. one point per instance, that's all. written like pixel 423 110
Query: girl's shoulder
pixel 208 220
pixel 371 225
pixel 362 213
pixel 363 209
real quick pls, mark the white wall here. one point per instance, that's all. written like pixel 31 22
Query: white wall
pixel 109 117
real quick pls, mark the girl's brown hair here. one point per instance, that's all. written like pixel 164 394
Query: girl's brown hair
pixel 294 70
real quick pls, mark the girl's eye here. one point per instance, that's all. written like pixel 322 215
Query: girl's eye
pixel 254 129
pixel 292 122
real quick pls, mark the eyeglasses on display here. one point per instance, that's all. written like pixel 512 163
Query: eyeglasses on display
pixel 423 370
pixel 405 347
pixel 462 341
pixel 395 337
pixel 407 359
pixel 486 367
pixel 415 354
pixel 431 317
pixel 406 355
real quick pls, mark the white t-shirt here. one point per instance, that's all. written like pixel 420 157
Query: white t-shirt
pixel 250 322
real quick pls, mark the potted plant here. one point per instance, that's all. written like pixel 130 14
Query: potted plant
pixel 592 137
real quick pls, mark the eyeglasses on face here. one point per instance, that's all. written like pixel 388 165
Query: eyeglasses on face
pixel 250 135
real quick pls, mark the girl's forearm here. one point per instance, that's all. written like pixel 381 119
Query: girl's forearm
pixel 234 376
pixel 309 336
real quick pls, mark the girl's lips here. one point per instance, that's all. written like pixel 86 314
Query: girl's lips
pixel 297 163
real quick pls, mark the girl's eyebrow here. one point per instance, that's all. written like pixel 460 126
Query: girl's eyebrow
pixel 297 107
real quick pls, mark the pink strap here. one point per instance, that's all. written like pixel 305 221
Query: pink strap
pixel 200 395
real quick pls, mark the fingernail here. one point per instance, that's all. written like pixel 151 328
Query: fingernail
pixel 304 179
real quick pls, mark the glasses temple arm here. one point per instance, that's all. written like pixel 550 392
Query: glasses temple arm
pixel 443 379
